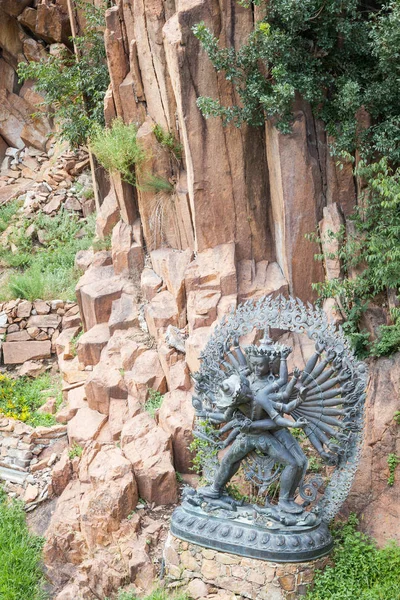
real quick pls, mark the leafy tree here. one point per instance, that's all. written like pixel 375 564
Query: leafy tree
pixel 344 58
pixel 74 85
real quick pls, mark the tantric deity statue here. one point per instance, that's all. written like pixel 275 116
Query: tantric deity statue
pixel 257 420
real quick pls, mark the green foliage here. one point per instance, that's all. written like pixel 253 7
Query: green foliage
pixel 168 141
pixel 201 448
pixel 396 417
pixel 153 402
pixel 20 398
pixel 393 461
pixel 342 57
pixel 117 149
pixel 7 211
pixel 154 183
pixel 47 270
pixel 21 575
pixel 74 89
pixel 75 451
pixel 360 571
pixel 314 465
pixel 74 342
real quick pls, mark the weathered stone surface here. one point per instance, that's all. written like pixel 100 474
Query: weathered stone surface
pixel 371 497
pixel 127 253
pixel 61 474
pixel 91 343
pixel 76 399
pixel 148 448
pixel 16 124
pixel 15 353
pixel 96 291
pixel 44 321
pixel 296 199
pixel 85 425
pixel 218 153
pixel 329 228
pixel 161 312
pixel 104 382
pixel 124 313
pixel 194 345
pixel 52 24
pixel 108 215
pixel 213 269
pixel 176 417
pixel 171 266
pixel 259 279
pixel 118 415
pixel 150 283
pixel 146 374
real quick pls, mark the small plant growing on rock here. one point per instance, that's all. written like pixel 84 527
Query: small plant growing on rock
pixel 117 149
pixel 75 451
pixel 153 402
pixel 393 461
pixel 396 417
pixel 168 141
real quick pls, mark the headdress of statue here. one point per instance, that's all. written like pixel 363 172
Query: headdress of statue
pixel 264 417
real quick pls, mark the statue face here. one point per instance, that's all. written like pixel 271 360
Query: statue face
pixel 261 365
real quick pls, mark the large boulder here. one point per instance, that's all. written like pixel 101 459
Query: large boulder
pixel 91 344
pixel 176 417
pixel 376 502
pixel 146 374
pixel 149 449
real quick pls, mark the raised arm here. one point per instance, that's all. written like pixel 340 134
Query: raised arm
pixel 283 370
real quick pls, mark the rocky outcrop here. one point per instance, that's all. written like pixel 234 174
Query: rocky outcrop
pixel 371 497
pixel 158 70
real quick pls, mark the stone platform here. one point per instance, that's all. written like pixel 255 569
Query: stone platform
pixel 230 576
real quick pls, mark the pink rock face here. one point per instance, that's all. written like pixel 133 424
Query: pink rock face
pixel 124 313
pixel 194 344
pixel 96 291
pixel 329 227
pixel 104 382
pixel 118 415
pixel 85 425
pixel 213 269
pixel 149 449
pixel 127 253
pixel 171 266
pixel 91 344
pixel 371 497
pixel 176 418
pixel 61 474
pixel 259 279
pixel 150 283
pixel 161 312
pixel 15 353
pixel 108 215
pixel 146 374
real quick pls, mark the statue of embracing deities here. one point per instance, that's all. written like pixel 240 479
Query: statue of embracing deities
pixel 249 412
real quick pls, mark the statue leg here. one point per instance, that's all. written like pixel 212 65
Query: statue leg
pixel 229 466
pixel 290 476
pixel 292 445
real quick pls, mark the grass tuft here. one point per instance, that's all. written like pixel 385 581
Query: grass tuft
pixel 21 576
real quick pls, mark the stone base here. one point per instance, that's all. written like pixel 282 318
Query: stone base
pixel 253 536
pixel 229 576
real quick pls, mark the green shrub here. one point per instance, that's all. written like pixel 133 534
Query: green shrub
pixel 153 402
pixel 7 211
pixel 361 571
pixel 20 398
pixel 21 576
pixel 75 450
pixel 117 149
pixel 167 140
pixel 393 461
pixel 74 91
pixel 49 270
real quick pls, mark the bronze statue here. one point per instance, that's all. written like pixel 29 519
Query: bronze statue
pixel 246 401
